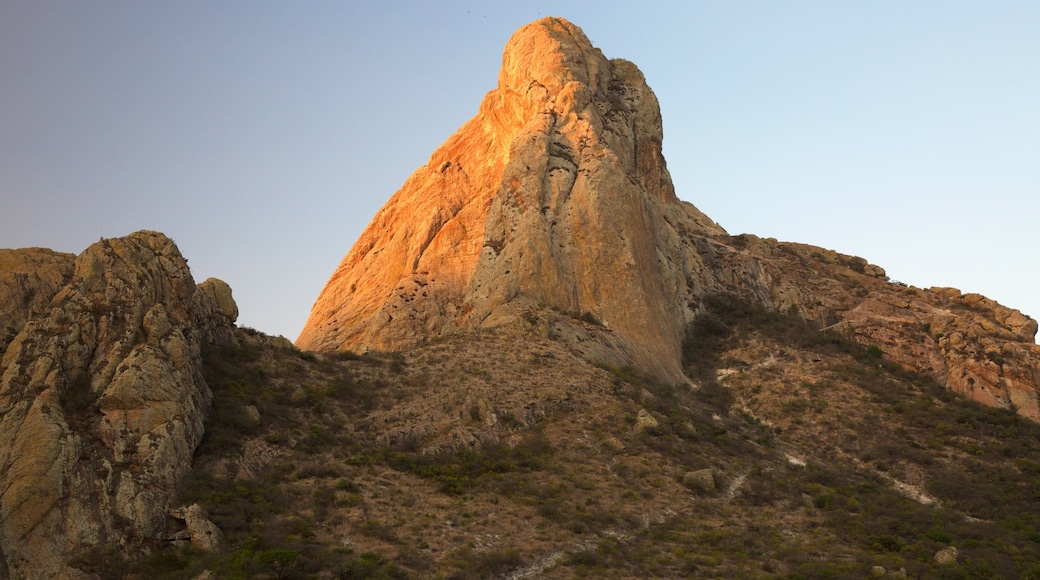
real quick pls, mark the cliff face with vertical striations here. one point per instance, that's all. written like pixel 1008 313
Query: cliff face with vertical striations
pixel 555 198
pixel 102 399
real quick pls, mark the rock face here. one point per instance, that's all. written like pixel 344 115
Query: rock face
pixel 29 278
pixel 554 207
pixel 555 195
pixel 969 343
pixel 101 401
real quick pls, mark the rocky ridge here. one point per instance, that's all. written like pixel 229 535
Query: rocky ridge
pixel 102 398
pixel 555 197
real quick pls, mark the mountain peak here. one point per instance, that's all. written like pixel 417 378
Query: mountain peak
pixel 555 196
pixel 540 59
pixel 552 210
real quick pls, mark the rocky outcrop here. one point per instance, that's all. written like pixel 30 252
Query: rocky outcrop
pixel 201 533
pixel 554 207
pixel 102 400
pixel 29 278
pixel 967 342
pixel 586 219
pixel 215 312
pixel 554 196
pixel 975 346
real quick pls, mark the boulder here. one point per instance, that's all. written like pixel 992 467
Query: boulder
pixel 644 420
pixel 702 480
pixel 202 533
pixel 946 556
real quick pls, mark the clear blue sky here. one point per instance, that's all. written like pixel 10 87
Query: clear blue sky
pixel 263 136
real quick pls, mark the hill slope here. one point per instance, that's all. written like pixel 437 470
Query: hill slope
pixel 800 454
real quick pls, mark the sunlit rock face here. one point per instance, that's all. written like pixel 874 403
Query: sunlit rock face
pixel 553 208
pixel 102 401
pixel 554 196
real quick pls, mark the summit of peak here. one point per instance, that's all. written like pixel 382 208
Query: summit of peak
pixel 555 195
pixel 549 53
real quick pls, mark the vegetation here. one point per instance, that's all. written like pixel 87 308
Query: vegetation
pixel 343 476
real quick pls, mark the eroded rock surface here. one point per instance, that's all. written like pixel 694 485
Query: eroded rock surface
pixel 29 278
pixel 201 533
pixel 101 404
pixel 556 197
pixel 968 342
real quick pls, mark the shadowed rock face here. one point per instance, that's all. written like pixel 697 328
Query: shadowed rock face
pixel 29 278
pixel 556 196
pixel 101 403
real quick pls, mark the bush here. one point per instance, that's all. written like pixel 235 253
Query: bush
pixel 279 561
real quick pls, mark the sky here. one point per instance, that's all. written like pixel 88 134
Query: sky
pixel 263 136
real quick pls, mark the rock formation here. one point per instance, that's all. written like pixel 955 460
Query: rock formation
pixel 29 278
pixel 554 196
pixel 101 398
pixel 967 342
pixel 554 206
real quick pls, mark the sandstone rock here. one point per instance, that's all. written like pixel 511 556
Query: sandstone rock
pixel 701 480
pixel 878 572
pixel 556 194
pixel 101 406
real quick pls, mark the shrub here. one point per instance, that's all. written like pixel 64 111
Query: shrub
pixel 279 561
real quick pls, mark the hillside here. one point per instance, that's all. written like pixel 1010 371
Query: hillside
pixel 799 454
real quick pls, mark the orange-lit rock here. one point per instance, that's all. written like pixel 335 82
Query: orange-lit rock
pixel 554 195
pixel 553 208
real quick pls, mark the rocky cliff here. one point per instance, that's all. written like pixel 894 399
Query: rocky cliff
pixel 102 397
pixel 29 278
pixel 555 198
